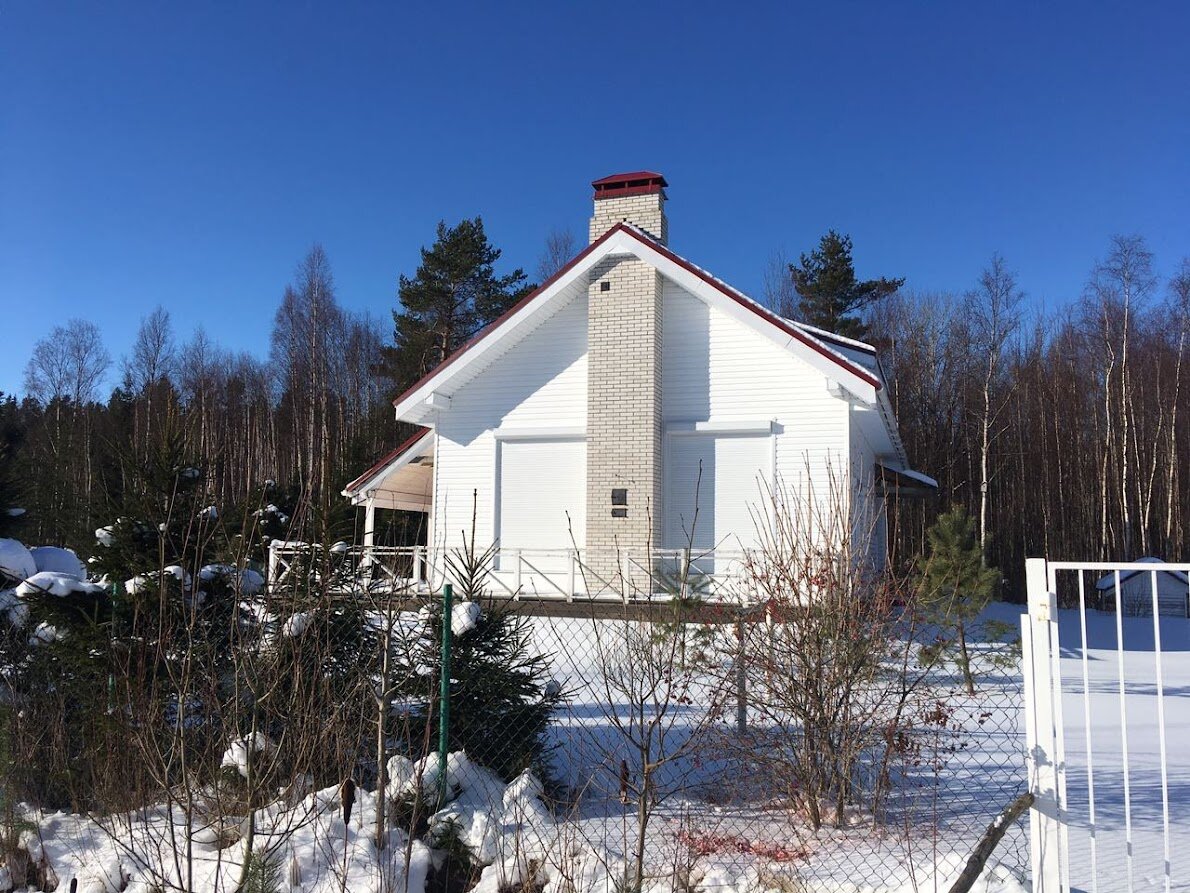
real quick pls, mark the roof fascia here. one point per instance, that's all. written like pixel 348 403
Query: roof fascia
pixel 625 239
pixel 407 406
pixel 400 460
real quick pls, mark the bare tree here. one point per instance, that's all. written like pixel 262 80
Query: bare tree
pixel 779 294
pixel 68 364
pixel 67 367
pixel 306 335
pixel 1179 293
pixel 832 672
pixel 560 247
pixel 1117 291
pixel 994 310
pixel 153 354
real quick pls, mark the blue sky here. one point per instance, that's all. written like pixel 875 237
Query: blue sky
pixel 189 154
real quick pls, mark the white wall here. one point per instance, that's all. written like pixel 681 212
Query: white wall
pixel 715 370
pixel 540 384
pixel 720 371
pixel 870 523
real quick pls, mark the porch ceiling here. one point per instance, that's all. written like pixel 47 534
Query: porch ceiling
pixel 409 488
pixel 904 482
pixel 404 480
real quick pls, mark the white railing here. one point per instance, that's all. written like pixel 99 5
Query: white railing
pixel 1101 770
pixel 522 573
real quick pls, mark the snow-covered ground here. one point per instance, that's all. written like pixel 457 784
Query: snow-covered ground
pixel 703 830
pixel 1128 834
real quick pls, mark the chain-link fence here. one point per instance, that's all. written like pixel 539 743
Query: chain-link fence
pixel 808 734
pixel 681 751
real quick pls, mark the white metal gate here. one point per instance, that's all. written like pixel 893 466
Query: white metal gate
pixel 1107 724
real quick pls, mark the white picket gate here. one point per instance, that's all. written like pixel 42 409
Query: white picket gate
pixel 1107 724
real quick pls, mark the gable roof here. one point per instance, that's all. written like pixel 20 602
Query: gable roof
pixel 628 238
pixel 1108 581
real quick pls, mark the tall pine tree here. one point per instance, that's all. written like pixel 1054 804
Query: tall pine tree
pixel 830 295
pixel 455 293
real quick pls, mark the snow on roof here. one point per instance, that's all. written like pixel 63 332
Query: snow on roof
pixel 831 336
pixel 903 476
pixel 1108 581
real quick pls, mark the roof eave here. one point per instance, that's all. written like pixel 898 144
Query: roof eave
pixel 408 450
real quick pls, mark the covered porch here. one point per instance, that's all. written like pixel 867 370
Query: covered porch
pixel 403 480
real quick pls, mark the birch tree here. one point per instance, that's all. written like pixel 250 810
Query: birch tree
pixel 994 309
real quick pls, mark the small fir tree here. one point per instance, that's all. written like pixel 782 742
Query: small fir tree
pixel 501 694
pixel 955 583
pixel 830 295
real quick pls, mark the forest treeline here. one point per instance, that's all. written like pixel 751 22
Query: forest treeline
pixel 1063 433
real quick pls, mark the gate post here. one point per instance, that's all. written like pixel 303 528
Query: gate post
pixel 1043 731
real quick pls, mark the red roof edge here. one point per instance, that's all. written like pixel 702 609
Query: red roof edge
pixel 763 312
pixel 613 179
pixel 389 457
pixel 723 288
pixel 504 317
pixel 632 183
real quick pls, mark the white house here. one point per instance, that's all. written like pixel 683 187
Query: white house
pixel 1136 590
pixel 635 403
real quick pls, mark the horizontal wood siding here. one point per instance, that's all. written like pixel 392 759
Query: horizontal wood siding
pixel 541 383
pixel 871 537
pixel 716 369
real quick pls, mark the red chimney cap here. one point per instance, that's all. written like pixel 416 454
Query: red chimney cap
pixel 631 183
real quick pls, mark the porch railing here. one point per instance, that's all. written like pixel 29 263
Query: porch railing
pixel 711 575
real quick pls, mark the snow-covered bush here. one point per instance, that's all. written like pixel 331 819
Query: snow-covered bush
pixel 16 562
pixel 60 561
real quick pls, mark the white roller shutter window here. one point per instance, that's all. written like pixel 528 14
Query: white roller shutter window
pixel 734 469
pixel 540 482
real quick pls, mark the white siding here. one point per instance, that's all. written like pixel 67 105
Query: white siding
pixel 716 513
pixel 718 370
pixel 715 369
pixel 540 384
pixel 869 522
pixel 542 494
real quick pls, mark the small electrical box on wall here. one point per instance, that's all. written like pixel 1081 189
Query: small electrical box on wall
pixel 619 502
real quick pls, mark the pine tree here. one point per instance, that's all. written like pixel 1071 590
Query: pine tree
pixel 830 294
pixel 454 295
pixel 955 583
pixel 501 694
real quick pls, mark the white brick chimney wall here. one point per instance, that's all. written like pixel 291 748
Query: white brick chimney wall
pixel 646 212
pixel 624 446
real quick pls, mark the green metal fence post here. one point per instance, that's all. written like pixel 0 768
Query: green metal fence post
pixel 111 636
pixel 444 695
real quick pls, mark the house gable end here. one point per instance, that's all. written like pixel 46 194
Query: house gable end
pixel 624 239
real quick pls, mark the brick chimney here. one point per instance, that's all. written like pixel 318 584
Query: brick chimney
pixel 624 380
pixel 637 197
